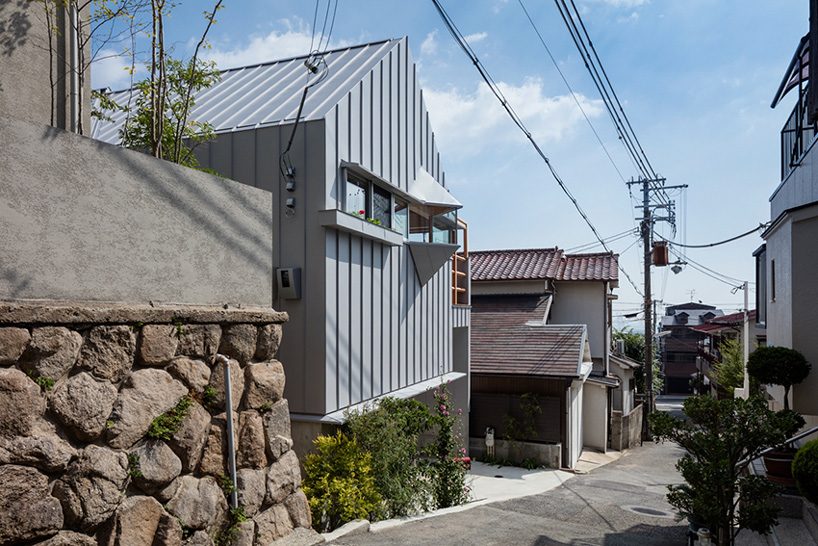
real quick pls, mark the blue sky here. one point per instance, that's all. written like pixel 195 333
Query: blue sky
pixel 696 79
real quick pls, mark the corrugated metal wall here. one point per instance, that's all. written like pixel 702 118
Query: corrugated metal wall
pixel 384 330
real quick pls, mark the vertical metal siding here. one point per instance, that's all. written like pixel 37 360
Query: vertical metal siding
pixel 398 331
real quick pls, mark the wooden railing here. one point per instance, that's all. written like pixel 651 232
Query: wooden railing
pixel 460 269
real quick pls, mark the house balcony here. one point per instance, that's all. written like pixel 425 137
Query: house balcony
pixel 799 162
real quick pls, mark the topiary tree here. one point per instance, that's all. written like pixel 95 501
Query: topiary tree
pixel 778 366
pixel 721 437
pixel 805 470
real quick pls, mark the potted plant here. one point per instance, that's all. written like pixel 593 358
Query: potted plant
pixel 805 470
pixel 785 367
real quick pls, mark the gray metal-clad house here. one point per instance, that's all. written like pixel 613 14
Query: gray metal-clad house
pixel 365 232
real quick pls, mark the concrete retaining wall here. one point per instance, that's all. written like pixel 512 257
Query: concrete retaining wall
pixel 626 430
pixel 113 427
pixel 82 220
pixel 549 455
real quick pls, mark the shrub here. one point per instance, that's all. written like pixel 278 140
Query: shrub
pixel 390 432
pixel 339 483
pixel 721 437
pixel 805 470
pixel 448 475
pixel 778 366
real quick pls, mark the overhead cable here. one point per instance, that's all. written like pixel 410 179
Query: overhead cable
pixel 717 243
pixel 570 90
pixel 464 45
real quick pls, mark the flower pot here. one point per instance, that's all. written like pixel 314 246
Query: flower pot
pixel 779 466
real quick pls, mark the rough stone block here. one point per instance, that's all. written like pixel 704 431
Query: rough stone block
pixel 214 461
pixel 299 509
pixel 251 444
pixel 52 352
pixel 148 393
pixel 82 405
pixel 300 537
pixel 27 509
pixel 136 521
pixel 21 403
pixel 239 341
pixel 92 488
pixel 68 538
pixel 198 503
pixel 277 431
pixel 283 478
pixel 199 341
pixel 13 342
pixel 264 384
pixel 251 488
pixel 269 340
pixel 244 534
pixel 158 466
pixel 236 383
pixel 190 439
pixel 108 352
pixel 43 450
pixel 157 344
pixel 272 524
pixel 193 373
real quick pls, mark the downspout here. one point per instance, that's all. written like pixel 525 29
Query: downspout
pixel 231 448
pixel 73 38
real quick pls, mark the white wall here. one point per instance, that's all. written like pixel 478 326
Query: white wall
pixel 574 424
pixel 594 416
pixel 582 302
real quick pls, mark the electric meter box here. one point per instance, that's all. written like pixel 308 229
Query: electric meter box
pixel 288 281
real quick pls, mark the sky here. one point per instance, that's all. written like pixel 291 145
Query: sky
pixel 696 79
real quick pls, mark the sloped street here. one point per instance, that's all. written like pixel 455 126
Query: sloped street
pixel 622 503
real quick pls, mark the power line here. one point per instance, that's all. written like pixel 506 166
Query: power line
pixel 464 45
pixel 570 90
pixel 609 239
pixel 708 245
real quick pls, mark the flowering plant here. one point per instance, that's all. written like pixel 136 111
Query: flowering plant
pixel 449 470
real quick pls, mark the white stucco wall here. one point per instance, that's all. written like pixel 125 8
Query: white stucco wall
pixel 582 302
pixel 574 427
pixel 594 416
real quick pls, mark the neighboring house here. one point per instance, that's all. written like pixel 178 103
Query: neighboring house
pixel 715 332
pixel 542 325
pixel 679 343
pixel 626 413
pixel 364 227
pixel 786 265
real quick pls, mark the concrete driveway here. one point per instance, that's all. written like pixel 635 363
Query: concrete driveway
pixel 622 503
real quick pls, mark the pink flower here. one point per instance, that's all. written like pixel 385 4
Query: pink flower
pixel 361 212
pixel 459 411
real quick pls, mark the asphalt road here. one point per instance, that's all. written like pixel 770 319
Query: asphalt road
pixel 622 503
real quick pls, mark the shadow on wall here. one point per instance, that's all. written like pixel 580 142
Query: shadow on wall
pixel 14 26
pixel 17 283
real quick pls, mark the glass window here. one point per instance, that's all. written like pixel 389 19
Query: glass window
pixel 418 226
pixel 356 196
pixel 443 228
pixel 382 207
pixel 400 220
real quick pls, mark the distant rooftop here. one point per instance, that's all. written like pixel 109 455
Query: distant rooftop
pixel 269 93
pixel 543 263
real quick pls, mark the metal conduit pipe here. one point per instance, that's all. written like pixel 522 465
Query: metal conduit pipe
pixel 231 448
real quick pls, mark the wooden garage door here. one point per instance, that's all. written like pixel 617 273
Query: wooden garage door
pixel 491 409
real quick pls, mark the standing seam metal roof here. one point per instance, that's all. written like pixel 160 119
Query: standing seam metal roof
pixel 267 94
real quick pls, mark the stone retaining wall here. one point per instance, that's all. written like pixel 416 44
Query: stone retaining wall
pixel 626 430
pixel 112 427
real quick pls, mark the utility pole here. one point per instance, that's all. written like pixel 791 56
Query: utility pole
pixel 646 230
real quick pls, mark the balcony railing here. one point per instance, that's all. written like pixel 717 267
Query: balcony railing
pixel 460 268
pixel 796 136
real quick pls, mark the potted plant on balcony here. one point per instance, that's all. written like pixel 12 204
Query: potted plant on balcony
pixel 785 367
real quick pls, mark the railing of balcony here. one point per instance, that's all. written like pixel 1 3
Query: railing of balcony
pixel 460 268
pixel 796 136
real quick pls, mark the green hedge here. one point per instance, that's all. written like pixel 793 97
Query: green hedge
pixel 805 470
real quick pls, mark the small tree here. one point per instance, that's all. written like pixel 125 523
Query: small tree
pixel 778 366
pixel 448 472
pixel 635 350
pixel 721 437
pixel 729 372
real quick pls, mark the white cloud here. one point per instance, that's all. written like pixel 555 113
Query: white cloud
pixel 293 41
pixel 499 5
pixel 625 3
pixel 110 69
pixel 476 37
pixel 429 45
pixel 632 18
pixel 470 122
